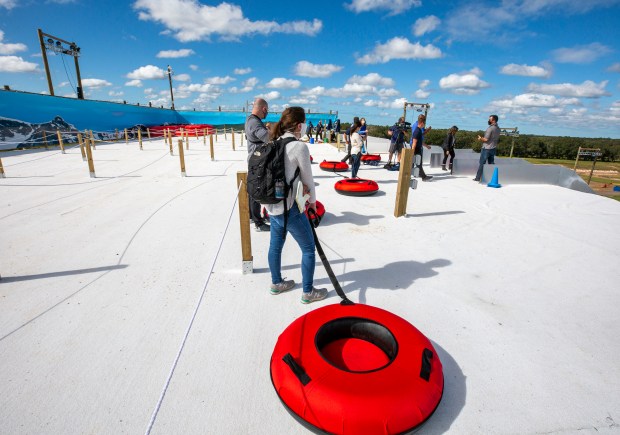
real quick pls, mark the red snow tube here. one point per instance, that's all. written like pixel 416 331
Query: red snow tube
pixel 320 211
pixel 191 129
pixel 333 166
pixel 370 158
pixel 356 369
pixel 356 187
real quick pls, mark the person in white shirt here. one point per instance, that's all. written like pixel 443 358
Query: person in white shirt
pixel 292 124
pixel 356 148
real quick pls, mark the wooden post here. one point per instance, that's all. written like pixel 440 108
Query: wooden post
pixel 182 158
pixel 204 137
pixel 244 224
pixel 337 141
pixel 45 139
pixel 170 140
pixel 592 170
pixel 126 137
pixel 92 140
pixel 81 142
pixel 225 137
pixel 232 132
pixel 148 132
pixel 89 154
pixel 116 134
pixel 404 181
pixel 187 139
pixel 140 138
pixel 196 131
pixel 242 134
pixel 512 147
pixel 577 159
pixel 211 147
pixel 62 146
pixel 2 170
pixel 216 134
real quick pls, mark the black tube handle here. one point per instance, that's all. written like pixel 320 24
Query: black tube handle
pixel 425 371
pixel 297 369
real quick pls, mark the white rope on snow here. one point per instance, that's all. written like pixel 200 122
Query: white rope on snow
pixel 191 322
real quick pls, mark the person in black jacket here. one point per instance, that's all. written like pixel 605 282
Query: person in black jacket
pixel 448 147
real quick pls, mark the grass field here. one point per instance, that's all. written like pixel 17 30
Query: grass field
pixel 606 174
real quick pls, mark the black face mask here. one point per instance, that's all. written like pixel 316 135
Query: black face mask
pixel 490 123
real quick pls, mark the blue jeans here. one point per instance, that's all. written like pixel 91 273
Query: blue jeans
pixel 485 155
pixel 357 161
pixel 299 227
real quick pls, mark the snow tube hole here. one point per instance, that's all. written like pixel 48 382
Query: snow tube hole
pixel 356 345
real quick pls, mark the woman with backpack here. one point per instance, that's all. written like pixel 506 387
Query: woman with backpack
pixel 297 156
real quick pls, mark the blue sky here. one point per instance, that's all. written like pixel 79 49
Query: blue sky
pixel 545 66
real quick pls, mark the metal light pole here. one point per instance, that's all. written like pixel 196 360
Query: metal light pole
pixel 170 81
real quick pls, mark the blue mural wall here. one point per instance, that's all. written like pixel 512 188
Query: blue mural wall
pixel 24 116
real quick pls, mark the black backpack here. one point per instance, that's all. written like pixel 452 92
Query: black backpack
pixel 265 168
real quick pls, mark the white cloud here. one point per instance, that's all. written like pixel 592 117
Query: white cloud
pixel 307 69
pixel 273 95
pixel 194 67
pixel 95 83
pixel 587 89
pixel 219 80
pixel 8 4
pixel 148 72
pixel 467 83
pixel 242 71
pixel 399 48
pixel 282 83
pixel 525 70
pixel 115 94
pixel 195 87
pixel 134 83
pixel 372 79
pixel 425 25
pixel 16 64
pixel 421 93
pixel 387 92
pixel 399 103
pixel 424 84
pixel 182 78
pixel 614 68
pixel 173 54
pixel 393 6
pixel 189 20
pixel 248 86
pixel 581 53
pixel 10 48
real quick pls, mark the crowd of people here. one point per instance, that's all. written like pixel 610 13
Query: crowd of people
pixel 286 217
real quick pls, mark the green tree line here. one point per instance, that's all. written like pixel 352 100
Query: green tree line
pixel 526 145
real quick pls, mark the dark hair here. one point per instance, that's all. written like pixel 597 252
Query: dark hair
pixel 454 129
pixel 495 118
pixel 355 126
pixel 288 121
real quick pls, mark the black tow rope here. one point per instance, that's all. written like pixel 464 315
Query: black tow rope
pixel 314 222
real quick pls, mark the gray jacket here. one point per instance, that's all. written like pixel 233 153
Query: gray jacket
pixel 256 133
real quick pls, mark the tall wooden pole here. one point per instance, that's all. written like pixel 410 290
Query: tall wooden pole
pixel 140 137
pixel 89 156
pixel 404 180
pixel 62 146
pixel 182 158
pixel 232 132
pixel 211 147
pixel 2 170
pixel 47 67
pixel 81 142
pixel 244 224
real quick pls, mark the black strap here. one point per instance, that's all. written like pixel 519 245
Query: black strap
pixel 425 371
pixel 297 369
pixel 314 222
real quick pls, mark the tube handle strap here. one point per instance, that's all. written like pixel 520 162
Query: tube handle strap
pixel 425 371
pixel 296 369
